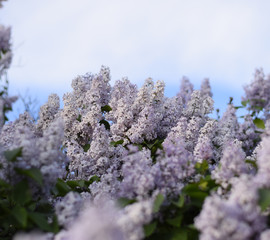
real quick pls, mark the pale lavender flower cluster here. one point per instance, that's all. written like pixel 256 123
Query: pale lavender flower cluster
pixel 5 48
pixel 257 94
pixel 238 217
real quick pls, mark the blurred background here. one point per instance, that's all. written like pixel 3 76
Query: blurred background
pixel 56 40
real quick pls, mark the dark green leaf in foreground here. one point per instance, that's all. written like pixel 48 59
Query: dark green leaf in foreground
pixel 106 108
pixel 40 220
pixel 11 155
pixel 158 202
pixel 123 202
pixel 264 198
pixel 105 123
pixel 61 188
pixel 33 173
pixel 149 229
pixel 115 144
pixel 259 123
pixel 20 214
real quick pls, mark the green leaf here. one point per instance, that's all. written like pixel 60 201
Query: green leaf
pixel 79 118
pixel 176 222
pixel 158 202
pixel 106 124
pixel 259 123
pixel 62 188
pixel 123 202
pixel 115 144
pixel 253 163
pixel 86 147
pixel 264 198
pixel 244 103
pixel 202 168
pixel 11 155
pixel 20 214
pixel 33 173
pixel 76 183
pixel 21 193
pixel 180 202
pixel 180 234
pixel 106 108
pixel 40 220
pixel 149 229
pixel 94 178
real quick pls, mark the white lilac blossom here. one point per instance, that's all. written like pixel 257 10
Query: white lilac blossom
pixel 174 168
pixel 5 48
pixel 220 219
pixel 122 97
pixel 138 180
pixel 232 164
pixel 186 89
pixel 147 111
pixel 172 111
pixel 263 162
pixel 249 135
pixel 132 218
pixel 206 88
pixel 258 93
pixel 48 112
pixel 265 235
pixel 228 127
pixel 42 152
pixel 199 106
pixel 68 208
pixel 34 235
pixel 178 132
pixel 95 223
pixel 237 217
pixel 192 132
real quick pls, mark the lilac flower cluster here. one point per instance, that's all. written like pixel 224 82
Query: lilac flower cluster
pixel 137 144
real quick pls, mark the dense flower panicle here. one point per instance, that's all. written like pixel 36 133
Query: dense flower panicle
pixel 204 149
pixel 33 236
pixel 5 48
pixel 138 180
pixel 265 235
pixel 67 210
pixel 5 34
pixel 172 111
pixel 95 223
pixel 228 127
pixel 147 112
pixel 132 218
pixel 232 163
pixel 173 168
pixel 263 162
pixel 42 152
pixel 238 217
pixel 258 93
pixel 199 106
pixel 178 132
pixel 186 89
pixel 123 95
pixel 248 135
pixel 206 88
pixel 48 111
pixel 220 218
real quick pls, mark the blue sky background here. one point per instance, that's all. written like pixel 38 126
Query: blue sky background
pixel 56 40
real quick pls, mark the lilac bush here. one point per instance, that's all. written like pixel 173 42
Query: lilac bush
pixel 122 162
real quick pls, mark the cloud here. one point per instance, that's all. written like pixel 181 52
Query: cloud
pixel 56 40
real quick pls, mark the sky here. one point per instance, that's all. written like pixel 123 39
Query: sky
pixel 56 40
